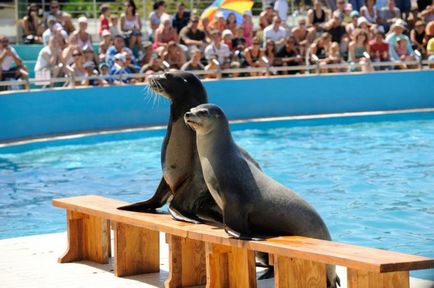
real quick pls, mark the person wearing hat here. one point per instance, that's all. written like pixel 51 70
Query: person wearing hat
pixel 389 14
pixel 104 77
pixel 118 71
pixel 48 63
pixel 354 23
pixel 227 36
pixel 397 29
pixel 218 23
pixel 80 37
pixel 62 17
pixel 54 28
pixel 89 66
pixel 193 37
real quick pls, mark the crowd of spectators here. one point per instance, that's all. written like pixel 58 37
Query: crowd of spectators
pixel 374 32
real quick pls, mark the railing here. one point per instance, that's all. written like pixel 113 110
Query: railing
pixel 268 71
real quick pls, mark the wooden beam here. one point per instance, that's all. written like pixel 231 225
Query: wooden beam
pixel 298 273
pixel 362 279
pixel 137 250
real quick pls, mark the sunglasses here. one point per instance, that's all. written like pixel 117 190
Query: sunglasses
pixel 255 43
pixel 75 55
pixel 195 21
pixel 54 7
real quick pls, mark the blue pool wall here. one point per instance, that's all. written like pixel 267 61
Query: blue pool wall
pixel 66 111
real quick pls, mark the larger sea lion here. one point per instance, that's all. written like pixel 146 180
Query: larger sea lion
pixel 182 174
pixel 253 204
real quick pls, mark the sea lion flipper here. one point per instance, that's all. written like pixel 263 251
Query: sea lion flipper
pixel 160 197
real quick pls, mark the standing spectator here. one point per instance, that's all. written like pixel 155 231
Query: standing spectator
pixel 194 63
pixel 357 49
pixel 247 26
pixel 62 17
pixel 54 28
pixel 103 20
pixel 253 55
pixel 417 37
pixel 218 50
pixel 389 14
pixel 104 44
pixel 369 11
pixel 181 17
pixel 114 25
pixel 164 34
pixel 117 48
pixel 281 8
pixel 10 62
pixel 193 37
pixel 397 30
pixel 275 32
pixel 266 17
pixel 130 22
pixel 378 48
pixel 155 18
pixel 49 60
pixel 32 26
pixel 81 37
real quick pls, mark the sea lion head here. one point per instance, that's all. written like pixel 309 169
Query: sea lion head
pixel 178 87
pixel 205 118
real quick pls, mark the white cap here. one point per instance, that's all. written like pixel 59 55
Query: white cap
pixel 227 32
pixel 120 56
pixel 106 32
pixel 57 27
pixel 51 18
pixel 362 20
pixel 220 14
pixel 82 19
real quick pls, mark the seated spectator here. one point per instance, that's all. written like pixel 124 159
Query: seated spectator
pixel 118 71
pixel 212 65
pixel 154 66
pixel 103 20
pixel 81 37
pixel 218 23
pixel 130 21
pixel 266 17
pixel 227 38
pixel 288 55
pixel 340 10
pixel 194 63
pixel 369 11
pixel 397 30
pixel 300 36
pixel 77 67
pixel 417 37
pixel 61 17
pixel 357 51
pixel 104 44
pixel 379 48
pixel 238 41
pixel 181 17
pixel 349 28
pixel 231 22
pixel 319 48
pixel 89 67
pixel 117 48
pixel 104 76
pixel 364 25
pixel 334 57
pixel 253 56
pixel 54 29
pixel 193 37
pixel 275 32
pixel 130 67
pixel 270 53
pixel 316 19
pixel 10 62
pixel 159 11
pixel 146 54
pixel 336 29
pixel 430 51
pixel 114 25
pixel 174 55
pixel 32 26
pixel 164 34
pixel 248 28
pixel 428 13
pixel 204 26
pixel 135 43
pixel 49 61
pixel 401 49
pixel 90 55
pixel 389 14
pixel 218 50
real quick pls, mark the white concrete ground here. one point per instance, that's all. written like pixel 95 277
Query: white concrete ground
pixel 32 262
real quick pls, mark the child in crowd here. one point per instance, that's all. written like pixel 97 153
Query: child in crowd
pixel 114 25
pixel 103 20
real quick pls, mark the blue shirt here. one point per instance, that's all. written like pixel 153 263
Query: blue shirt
pixel 111 52
pixel 391 39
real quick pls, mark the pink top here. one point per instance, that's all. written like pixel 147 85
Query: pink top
pixel 248 33
pixel 103 24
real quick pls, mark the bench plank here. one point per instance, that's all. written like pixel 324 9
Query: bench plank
pixel 298 273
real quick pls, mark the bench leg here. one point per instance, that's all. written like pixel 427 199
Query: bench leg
pixel 228 266
pixel 137 250
pixel 298 273
pixel 88 238
pixel 362 279
pixel 186 262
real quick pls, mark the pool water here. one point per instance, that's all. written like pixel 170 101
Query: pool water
pixel 371 178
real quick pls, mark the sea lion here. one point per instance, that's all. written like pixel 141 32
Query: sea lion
pixel 182 174
pixel 253 204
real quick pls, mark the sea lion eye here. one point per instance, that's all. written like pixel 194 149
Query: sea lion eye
pixel 202 113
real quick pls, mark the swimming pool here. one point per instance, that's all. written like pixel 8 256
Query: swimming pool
pixel 371 178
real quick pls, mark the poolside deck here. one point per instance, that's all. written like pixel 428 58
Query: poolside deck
pixel 32 262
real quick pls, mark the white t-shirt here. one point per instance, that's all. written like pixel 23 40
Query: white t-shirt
pixel 222 53
pixel 47 33
pixel 281 6
pixel 8 61
pixel 270 33
pixel 43 58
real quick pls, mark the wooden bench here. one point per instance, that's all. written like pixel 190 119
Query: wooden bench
pixel 202 254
